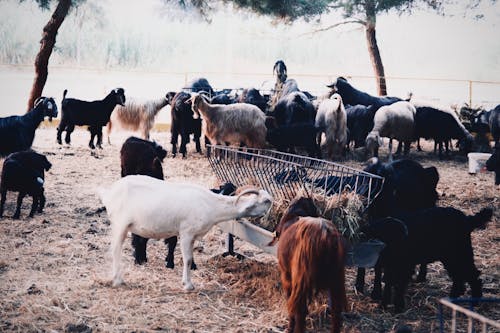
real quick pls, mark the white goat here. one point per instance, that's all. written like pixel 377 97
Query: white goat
pixel 136 115
pixel 234 123
pixel 154 208
pixel 394 121
pixel 331 119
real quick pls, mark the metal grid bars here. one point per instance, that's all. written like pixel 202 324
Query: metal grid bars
pixel 486 324
pixel 282 174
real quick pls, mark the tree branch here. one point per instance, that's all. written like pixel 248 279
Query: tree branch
pixel 356 21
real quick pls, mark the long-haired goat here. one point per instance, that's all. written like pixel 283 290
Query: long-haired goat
pixel 137 116
pixel 311 257
pixel 331 119
pixel 234 123
pixel 154 208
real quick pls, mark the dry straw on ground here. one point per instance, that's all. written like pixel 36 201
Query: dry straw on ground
pixel 55 267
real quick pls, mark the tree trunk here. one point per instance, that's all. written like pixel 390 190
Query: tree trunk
pixel 46 46
pixel 373 50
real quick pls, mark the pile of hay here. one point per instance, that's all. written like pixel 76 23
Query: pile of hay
pixel 345 210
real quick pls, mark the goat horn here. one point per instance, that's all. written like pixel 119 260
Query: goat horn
pixel 248 191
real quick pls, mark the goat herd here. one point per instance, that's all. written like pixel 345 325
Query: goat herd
pixel 311 252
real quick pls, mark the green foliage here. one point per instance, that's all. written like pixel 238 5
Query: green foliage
pixel 290 10
pixel 45 4
pixel 286 10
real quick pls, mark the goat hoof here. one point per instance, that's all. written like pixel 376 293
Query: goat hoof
pixel 16 216
pixel 169 265
pixel 141 261
pixel 117 282
pixel 193 266
pixel 188 287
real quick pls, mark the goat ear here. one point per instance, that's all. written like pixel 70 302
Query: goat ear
pixel 372 161
pixel 38 101
pixel 245 192
pixel 273 241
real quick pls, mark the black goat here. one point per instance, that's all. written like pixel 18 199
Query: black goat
pixel 408 187
pixel 353 96
pixel 222 98
pixel 198 85
pixel 359 123
pixel 434 234
pixel 142 157
pixel 442 126
pixel 294 108
pixel 95 114
pixel 18 132
pixel 183 124
pixel 286 138
pixel 253 96
pixel 23 172
pixel 494 122
pixel 493 163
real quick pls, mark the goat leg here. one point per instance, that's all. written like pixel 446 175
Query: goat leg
pixel 99 137
pixel 360 280
pixel 18 207
pixel 139 244
pixel 2 201
pixel 69 130
pixel 93 133
pixel 60 128
pixel 377 283
pixel 34 206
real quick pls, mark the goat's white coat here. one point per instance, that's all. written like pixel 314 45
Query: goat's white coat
pixel 331 119
pixel 160 209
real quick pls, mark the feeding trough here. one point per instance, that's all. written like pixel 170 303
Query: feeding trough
pixel 285 176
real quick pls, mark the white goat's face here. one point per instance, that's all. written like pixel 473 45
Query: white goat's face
pixel 255 203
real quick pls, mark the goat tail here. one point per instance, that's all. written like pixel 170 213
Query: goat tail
pixel 480 220
pixel 64 93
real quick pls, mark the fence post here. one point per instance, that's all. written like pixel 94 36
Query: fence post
pixel 470 93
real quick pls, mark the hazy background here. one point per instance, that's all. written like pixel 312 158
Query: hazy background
pixel 149 48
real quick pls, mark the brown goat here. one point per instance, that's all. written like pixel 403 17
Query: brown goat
pixel 311 256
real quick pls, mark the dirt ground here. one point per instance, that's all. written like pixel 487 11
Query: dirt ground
pixel 55 268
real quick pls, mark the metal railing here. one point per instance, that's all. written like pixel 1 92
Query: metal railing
pixel 470 315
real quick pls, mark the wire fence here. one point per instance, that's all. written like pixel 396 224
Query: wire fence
pixel 95 83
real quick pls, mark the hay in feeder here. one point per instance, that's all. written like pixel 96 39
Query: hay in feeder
pixel 345 210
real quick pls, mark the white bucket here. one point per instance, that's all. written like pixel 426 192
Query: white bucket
pixel 477 161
